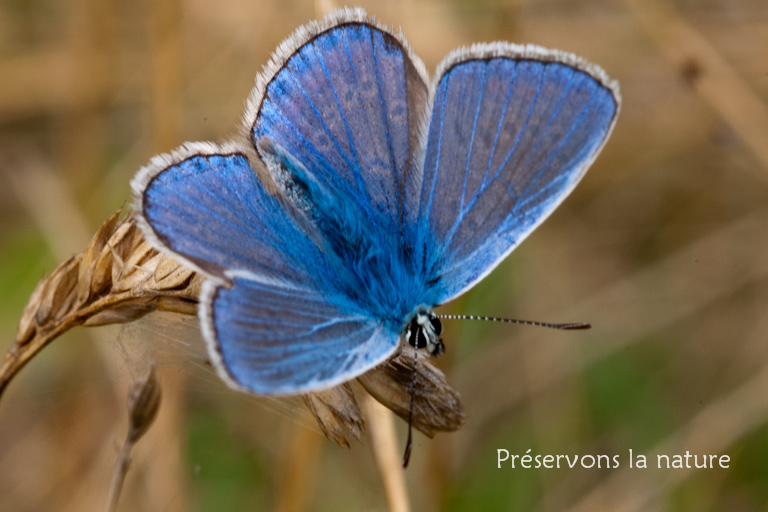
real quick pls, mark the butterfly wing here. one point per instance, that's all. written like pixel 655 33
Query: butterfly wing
pixel 345 98
pixel 272 337
pixel 206 205
pixel 513 129
pixel 270 315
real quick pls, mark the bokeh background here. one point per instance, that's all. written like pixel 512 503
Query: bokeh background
pixel 663 248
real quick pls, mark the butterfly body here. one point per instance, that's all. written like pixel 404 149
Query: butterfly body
pixel 394 194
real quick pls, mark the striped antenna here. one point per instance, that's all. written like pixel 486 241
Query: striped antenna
pixel 565 327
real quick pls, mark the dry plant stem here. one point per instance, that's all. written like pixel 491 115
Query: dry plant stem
pixel 386 453
pixel 143 404
pixel 118 477
pixel 21 353
pixel 297 470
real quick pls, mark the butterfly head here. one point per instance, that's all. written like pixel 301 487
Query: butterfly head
pixel 423 331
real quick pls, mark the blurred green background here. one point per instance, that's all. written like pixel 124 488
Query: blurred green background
pixel 662 248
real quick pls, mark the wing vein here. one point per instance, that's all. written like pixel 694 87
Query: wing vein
pixel 485 185
pixel 342 114
pixel 563 97
pixel 500 124
pixel 385 123
pixel 478 107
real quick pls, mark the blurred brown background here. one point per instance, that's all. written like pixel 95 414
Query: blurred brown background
pixel 662 248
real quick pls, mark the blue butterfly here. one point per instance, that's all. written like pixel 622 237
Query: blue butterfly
pixel 364 194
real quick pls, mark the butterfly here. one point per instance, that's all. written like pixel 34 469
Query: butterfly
pixel 362 194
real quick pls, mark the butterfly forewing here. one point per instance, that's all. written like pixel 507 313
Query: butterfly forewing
pixel 346 104
pixel 211 210
pixel 509 138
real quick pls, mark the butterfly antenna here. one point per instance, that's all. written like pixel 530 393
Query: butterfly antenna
pixel 407 454
pixel 565 327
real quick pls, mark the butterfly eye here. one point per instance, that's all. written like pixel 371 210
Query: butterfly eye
pixel 436 325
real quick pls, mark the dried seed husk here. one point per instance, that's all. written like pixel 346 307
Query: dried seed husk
pixel 437 406
pixel 57 297
pixel 143 403
pixel 336 412
pixel 170 274
pixel 112 281
pixel 28 322
pixel 86 285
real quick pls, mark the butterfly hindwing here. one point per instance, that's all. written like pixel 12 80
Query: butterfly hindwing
pixel 276 338
pixel 513 129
